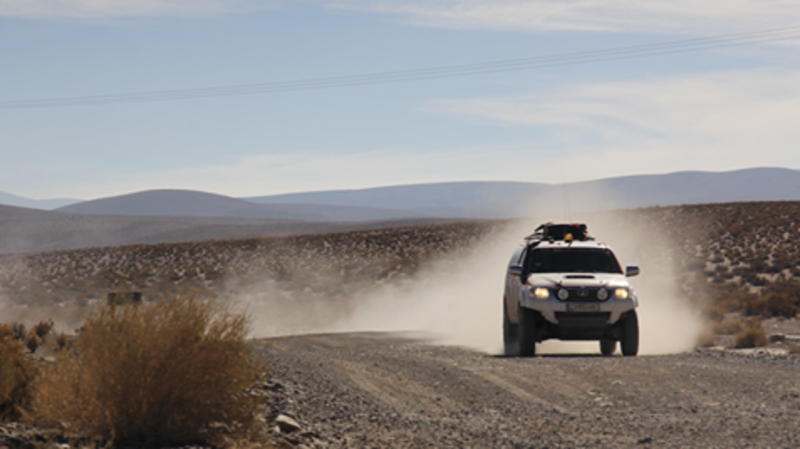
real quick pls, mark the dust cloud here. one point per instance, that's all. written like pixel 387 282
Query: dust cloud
pixel 667 321
pixel 458 300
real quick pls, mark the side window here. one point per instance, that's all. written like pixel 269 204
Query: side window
pixel 516 259
pixel 524 262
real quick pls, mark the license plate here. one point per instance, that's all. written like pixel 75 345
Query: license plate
pixel 583 307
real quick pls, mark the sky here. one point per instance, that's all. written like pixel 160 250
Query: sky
pixel 722 108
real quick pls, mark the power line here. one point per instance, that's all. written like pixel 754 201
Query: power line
pixel 451 71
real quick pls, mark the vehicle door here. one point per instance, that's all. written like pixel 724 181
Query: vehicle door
pixel 514 283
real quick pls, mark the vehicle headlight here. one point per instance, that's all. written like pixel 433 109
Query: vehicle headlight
pixel 563 294
pixel 541 293
pixel 621 293
pixel 602 294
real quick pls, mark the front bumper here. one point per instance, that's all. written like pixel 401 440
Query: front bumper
pixel 551 309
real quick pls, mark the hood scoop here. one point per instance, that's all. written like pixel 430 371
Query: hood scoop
pixel 579 276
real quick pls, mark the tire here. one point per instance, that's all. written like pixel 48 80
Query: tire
pixel 630 334
pixel 608 346
pixel 510 335
pixel 527 332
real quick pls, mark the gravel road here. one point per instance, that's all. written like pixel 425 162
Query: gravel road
pixel 390 390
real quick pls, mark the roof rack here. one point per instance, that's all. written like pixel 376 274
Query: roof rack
pixel 552 232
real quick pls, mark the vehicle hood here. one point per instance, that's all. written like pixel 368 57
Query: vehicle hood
pixel 578 280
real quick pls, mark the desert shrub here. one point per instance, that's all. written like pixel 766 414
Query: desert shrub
pixel 19 332
pixel 794 349
pixel 170 372
pixel 727 298
pixel 757 281
pixel 712 313
pixel 17 373
pixel 752 336
pixel 62 341
pixel 778 299
pixel 37 334
pixel 729 326
pixel 33 342
pixel 42 328
pixel 6 331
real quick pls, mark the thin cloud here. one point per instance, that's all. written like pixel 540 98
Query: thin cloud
pixel 94 9
pixel 653 16
pixel 715 121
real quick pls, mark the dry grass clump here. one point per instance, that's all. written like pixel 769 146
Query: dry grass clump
pixel 165 373
pixel 794 349
pixel 729 326
pixel 37 334
pixel 62 341
pixel 752 336
pixel 17 373
pixel 778 299
pixel 726 298
pixel 33 339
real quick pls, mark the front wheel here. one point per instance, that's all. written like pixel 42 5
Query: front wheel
pixel 608 346
pixel 630 334
pixel 527 332
pixel 510 335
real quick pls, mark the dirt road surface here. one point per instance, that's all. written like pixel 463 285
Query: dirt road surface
pixel 390 390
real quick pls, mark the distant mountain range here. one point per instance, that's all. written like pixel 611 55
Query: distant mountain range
pixel 509 199
pixel 9 199
pixel 184 203
pixel 450 200
pixel 158 216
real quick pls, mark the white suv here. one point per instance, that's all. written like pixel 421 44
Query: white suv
pixel 563 284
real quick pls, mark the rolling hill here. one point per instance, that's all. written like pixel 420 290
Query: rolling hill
pixel 186 203
pixel 9 199
pixel 476 199
pixel 509 199
pixel 30 231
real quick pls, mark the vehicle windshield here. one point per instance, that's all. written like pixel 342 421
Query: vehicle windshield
pixel 572 260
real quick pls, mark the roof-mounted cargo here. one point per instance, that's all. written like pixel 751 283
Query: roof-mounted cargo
pixel 552 232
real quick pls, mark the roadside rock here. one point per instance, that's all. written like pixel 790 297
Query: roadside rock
pixel 286 424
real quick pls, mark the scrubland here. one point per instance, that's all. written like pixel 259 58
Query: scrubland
pixel 735 264
pixel 737 257
pixel 744 257
pixel 330 266
pixel 168 373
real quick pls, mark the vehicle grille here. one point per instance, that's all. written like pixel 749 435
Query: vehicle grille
pixel 584 294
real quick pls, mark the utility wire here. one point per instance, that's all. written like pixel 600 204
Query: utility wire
pixel 452 71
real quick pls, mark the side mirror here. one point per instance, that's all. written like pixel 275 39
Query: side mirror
pixel 515 270
pixel 631 271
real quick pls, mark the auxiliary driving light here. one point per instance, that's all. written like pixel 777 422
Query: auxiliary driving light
pixel 563 294
pixel 621 293
pixel 602 294
pixel 541 293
